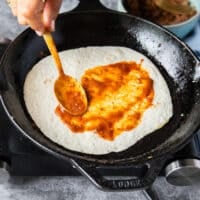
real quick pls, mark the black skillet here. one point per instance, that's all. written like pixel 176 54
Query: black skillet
pixel 80 28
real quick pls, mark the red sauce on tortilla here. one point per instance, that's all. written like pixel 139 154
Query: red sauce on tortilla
pixel 118 95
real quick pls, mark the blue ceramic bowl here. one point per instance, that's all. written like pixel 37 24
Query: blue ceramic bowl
pixel 183 28
pixel 180 29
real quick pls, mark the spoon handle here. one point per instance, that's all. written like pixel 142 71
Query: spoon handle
pixel 53 50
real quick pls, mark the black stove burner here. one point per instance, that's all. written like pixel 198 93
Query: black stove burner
pixel 23 158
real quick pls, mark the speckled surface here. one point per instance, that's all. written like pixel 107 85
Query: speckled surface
pixel 79 188
pixel 76 188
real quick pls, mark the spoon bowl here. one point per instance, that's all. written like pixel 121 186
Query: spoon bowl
pixel 70 95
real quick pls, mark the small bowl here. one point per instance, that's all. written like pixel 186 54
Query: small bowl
pixel 180 29
pixel 183 28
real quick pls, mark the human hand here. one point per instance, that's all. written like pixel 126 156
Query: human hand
pixel 40 15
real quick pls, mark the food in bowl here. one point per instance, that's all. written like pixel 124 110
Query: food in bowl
pixel 127 99
pixel 149 10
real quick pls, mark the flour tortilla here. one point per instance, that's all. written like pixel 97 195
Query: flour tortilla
pixel 41 101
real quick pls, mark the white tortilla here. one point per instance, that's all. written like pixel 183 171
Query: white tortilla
pixel 41 101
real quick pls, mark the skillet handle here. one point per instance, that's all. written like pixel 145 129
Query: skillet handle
pixel 153 169
pixel 86 5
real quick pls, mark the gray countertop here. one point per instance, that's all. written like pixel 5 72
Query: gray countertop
pixel 79 188
pixel 72 188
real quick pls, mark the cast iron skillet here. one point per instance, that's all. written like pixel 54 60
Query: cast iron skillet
pixel 80 28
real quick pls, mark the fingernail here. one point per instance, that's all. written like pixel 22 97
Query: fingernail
pixel 53 25
pixel 38 33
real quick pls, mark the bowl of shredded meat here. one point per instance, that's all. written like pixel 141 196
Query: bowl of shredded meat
pixel 180 23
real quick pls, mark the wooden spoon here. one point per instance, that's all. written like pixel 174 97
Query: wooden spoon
pixel 176 8
pixel 68 90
